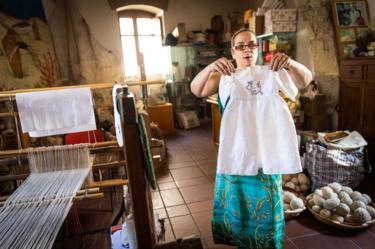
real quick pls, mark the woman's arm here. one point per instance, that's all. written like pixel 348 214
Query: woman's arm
pixel 300 74
pixel 206 82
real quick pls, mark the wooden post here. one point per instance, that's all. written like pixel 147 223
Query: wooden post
pixel 138 185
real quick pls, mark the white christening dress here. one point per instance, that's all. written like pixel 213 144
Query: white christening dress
pixel 257 129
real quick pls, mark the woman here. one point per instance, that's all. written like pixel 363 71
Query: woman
pixel 257 142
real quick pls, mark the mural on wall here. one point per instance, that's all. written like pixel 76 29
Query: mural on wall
pixel 48 43
pixel 26 52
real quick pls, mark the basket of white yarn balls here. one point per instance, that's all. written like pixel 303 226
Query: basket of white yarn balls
pixel 299 183
pixel 341 207
pixel 294 204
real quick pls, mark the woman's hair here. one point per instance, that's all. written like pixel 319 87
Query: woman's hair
pixel 238 32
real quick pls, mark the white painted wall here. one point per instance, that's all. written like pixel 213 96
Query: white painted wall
pixel 103 23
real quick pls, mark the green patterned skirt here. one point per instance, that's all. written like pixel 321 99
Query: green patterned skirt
pixel 248 211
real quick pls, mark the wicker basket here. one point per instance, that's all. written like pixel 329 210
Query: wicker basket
pixel 291 214
pixel 345 225
pixel 303 193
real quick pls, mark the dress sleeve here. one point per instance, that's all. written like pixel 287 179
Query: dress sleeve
pixel 286 84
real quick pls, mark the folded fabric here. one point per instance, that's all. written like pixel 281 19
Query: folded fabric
pixel 55 112
pixel 353 141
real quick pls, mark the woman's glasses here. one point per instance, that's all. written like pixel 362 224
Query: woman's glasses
pixel 242 47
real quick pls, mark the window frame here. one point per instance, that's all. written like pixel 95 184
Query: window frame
pixel 134 14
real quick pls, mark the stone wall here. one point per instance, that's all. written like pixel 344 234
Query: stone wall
pixel 317 23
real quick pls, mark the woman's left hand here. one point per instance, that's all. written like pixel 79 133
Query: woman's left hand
pixel 280 61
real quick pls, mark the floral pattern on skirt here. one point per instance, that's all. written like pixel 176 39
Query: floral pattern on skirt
pixel 248 211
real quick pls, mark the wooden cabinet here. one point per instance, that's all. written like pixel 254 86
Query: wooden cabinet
pixel 163 116
pixel 357 96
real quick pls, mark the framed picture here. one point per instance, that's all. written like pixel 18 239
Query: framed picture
pixel 351 19
pixel 351 13
pixel 347 35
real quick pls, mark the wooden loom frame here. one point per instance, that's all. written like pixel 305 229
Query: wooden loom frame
pixel 138 185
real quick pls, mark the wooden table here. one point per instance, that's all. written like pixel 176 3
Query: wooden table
pixel 215 115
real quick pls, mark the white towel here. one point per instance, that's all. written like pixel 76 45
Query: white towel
pixel 55 112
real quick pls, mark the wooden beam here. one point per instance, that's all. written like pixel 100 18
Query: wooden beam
pixel 6 94
pixel 95 147
pixel 108 183
pixel 138 185
pixel 13 177
pixel 115 164
pixel 75 199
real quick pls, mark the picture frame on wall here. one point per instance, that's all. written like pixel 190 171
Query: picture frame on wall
pixel 347 35
pixel 351 13
pixel 351 19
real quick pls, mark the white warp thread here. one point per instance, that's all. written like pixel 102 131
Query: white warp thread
pixel 33 214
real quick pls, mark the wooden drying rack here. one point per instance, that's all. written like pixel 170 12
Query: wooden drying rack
pixel 138 185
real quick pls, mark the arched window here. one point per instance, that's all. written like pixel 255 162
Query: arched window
pixel 141 39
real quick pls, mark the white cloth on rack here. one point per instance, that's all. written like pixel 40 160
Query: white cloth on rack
pixel 53 112
pixel 257 129
pixel 117 116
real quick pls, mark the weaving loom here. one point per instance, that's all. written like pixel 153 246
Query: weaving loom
pixel 66 197
pixel 33 214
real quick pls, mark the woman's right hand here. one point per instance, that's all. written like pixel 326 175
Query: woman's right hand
pixel 223 66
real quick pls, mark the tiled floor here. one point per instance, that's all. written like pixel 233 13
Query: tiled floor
pixel 185 199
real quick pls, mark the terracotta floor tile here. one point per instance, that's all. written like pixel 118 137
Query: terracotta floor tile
pixel 174 148
pixel 210 154
pixel 179 158
pixel 156 200
pixel 182 165
pixel 186 173
pixel 289 245
pixel 202 192
pixel 209 170
pixel 177 211
pixel 203 221
pixel 197 155
pixel 207 162
pixel 211 244
pixel 362 238
pixel 201 206
pixel 166 185
pixel 302 227
pixel 184 226
pixel 193 181
pixel 163 176
pixel 169 236
pixel 323 241
pixel 161 212
pixel 371 229
pixel 171 197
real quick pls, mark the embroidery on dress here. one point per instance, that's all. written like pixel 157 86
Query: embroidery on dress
pixel 254 87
